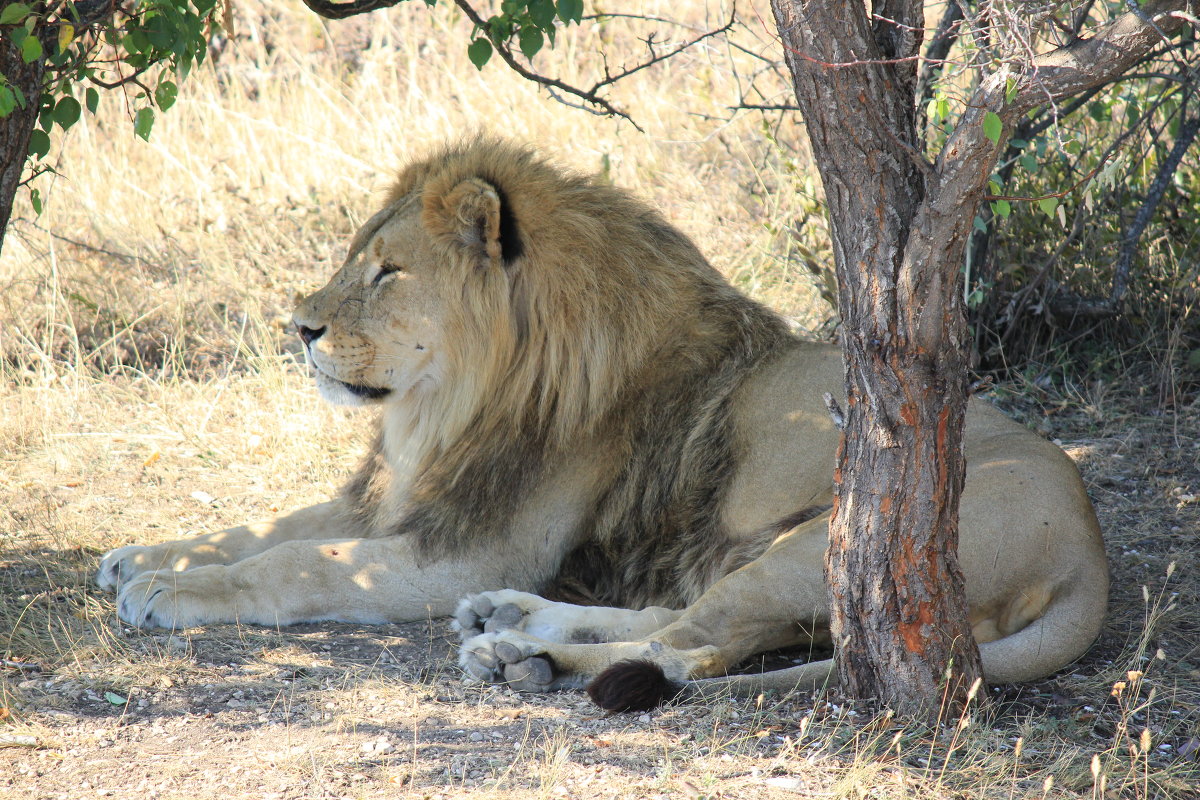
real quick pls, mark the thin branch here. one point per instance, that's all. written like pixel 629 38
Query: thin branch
pixel 84 245
pixel 948 29
pixel 1063 193
pixel 608 81
pixel 1183 140
pixel 132 78
pixel 542 80
pixel 755 107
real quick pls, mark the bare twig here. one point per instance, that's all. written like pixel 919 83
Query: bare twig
pixel 1166 170
pixel 608 81
pixel 767 107
pixel 939 46
pixel 542 80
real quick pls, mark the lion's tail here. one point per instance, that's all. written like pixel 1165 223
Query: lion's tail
pixel 1062 634
pixel 641 685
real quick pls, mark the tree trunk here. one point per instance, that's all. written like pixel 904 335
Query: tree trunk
pixel 16 127
pixel 898 611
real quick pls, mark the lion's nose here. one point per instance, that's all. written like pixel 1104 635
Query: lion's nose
pixel 309 335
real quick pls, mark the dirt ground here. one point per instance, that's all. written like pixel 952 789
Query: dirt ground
pixel 94 708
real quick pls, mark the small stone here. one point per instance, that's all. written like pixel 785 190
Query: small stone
pixel 476 737
pixel 644 718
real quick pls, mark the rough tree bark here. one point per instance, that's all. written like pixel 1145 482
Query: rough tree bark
pixel 900 225
pixel 898 611
pixel 16 127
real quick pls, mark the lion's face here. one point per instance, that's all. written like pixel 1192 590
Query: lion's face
pixel 374 332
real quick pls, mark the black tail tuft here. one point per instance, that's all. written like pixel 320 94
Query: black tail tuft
pixel 632 685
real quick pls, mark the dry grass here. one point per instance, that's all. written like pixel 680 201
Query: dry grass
pixel 149 390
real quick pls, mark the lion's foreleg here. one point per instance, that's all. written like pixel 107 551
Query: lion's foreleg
pixel 352 580
pixel 506 609
pixel 323 521
pixel 775 601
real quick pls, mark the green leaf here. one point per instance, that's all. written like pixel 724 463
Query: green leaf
pixel 479 51
pixel 570 10
pixel 992 126
pixel 1047 205
pixel 530 40
pixel 13 13
pixel 8 101
pixel 115 698
pixel 143 122
pixel 542 13
pixel 66 112
pixel 31 49
pixel 1028 162
pixel 1018 144
pixel 39 143
pixel 91 99
pixel 164 94
pixel 1010 90
pixel 1002 208
pixel 980 225
pixel 35 200
pixel 499 28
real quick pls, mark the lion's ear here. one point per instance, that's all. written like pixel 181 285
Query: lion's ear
pixel 476 215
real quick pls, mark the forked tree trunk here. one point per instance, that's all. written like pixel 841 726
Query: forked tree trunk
pixel 900 225
pixel 16 127
pixel 898 613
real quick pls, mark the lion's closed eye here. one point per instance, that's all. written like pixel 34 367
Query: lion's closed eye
pixel 385 269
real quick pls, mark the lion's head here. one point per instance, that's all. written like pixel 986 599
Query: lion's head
pixel 494 286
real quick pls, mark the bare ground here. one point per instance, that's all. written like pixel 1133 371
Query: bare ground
pixel 94 708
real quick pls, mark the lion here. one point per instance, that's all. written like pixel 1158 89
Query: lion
pixel 574 405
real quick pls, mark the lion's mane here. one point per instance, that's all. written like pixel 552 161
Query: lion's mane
pixel 605 321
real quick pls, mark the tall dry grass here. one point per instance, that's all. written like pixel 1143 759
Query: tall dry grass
pixel 149 385
pixel 146 353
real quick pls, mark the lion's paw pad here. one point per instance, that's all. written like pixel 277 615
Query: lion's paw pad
pixel 491 659
pixel 493 612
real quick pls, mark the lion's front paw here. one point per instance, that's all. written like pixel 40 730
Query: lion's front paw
pixel 512 658
pixel 167 599
pixel 492 612
pixel 125 563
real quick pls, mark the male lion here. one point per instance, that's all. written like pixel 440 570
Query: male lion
pixel 573 402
